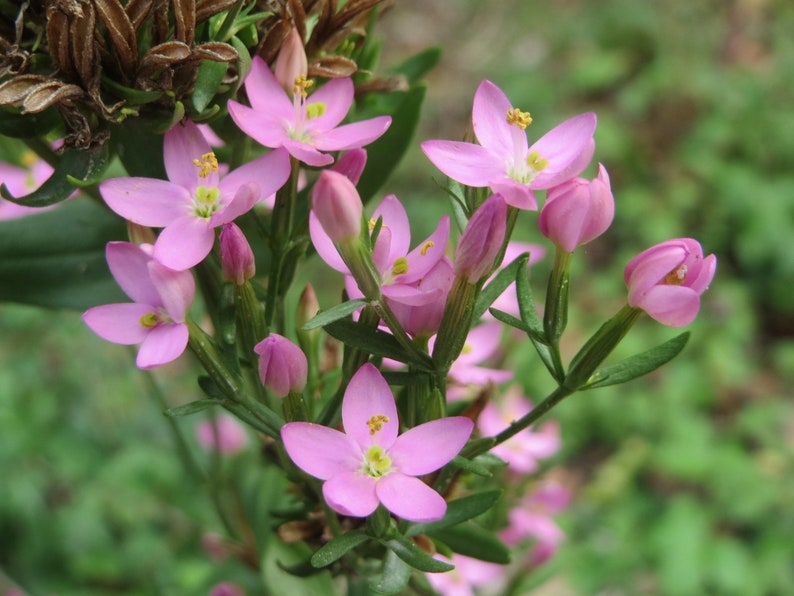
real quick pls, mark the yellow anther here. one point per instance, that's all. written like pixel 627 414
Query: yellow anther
pixel 425 247
pixel 377 463
pixel 28 159
pixel 400 266
pixel 149 320
pixel 315 110
pixel 536 162
pixel 519 118
pixel 376 423
pixel 372 223
pixel 206 164
pixel 467 347
pixel 677 276
pixel 301 85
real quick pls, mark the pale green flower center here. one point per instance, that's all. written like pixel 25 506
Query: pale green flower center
pixel 206 201
pixel 149 320
pixel 377 463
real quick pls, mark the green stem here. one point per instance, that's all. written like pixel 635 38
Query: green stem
pixel 555 314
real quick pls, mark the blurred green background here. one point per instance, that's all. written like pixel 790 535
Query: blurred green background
pixel 684 480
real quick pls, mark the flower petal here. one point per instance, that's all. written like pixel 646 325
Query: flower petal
pixel 164 344
pixel 307 153
pixel 264 127
pixel 243 200
pixel 353 135
pixel 320 451
pixel 395 220
pixel 184 243
pixel 351 493
pixel 427 447
pixel 268 172
pixel 515 194
pixel 146 201
pixel 265 93
pixel 467 163
pixel 675 306
pixel 176 289
pixel 181 145
pixel 369 413
pixel 425 256
pixel 489 121
pixel 129 265
pixel 561 146
pixel 324 246
pixel 119 323
pixel 410 498
pixel 337 97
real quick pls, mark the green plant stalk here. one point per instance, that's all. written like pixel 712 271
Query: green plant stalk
pixel 455 324
pixel 555 314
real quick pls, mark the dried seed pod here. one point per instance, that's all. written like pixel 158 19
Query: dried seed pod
pixel 137 12
pixel 14 90
pixel 332 67
pixel 184 20
pixel 121 32
pixel 50 93
pixel 209 8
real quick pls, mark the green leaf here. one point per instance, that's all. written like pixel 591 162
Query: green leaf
pixel 385 153
pixel 458 511
pixel 374 341
pixel 472 466
pixel 498 285
pixel 340 311
pixel 81 165
pixel 418 65
pixel 638 365
pixel 139 149
pixel 473 541
pixel 336 548
pixel 277 581
pixel 243 64
pixel 191 408
pixel 57 258
pixel 14 124
pixel 416 557
pixel 132 97
pixel 395 576
pixel 208 80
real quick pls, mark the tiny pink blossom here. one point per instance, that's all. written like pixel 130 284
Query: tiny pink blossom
pixel 195 199
pixel 666 280
pixel 482 239
pixel 503 160
pixel 282 365
pixel 307 126
pixel 469 574
pixel 224 433
pixel 577 211
pixel 156 318
pixel 369 464
pixel 523 451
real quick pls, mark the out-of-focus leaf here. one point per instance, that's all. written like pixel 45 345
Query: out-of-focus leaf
pixel 498 284
pixel 336 548
pixel 140 150
pixel 394 577
pixel 191 408
pixel 416 557
pixel 340 311
pixel 418 65
pixel 386 152
pixel 57 258
pixel 210 75
pixel 473 541
pixel 276 581
pixel 638 365
pixel 458 511
pixel 14 124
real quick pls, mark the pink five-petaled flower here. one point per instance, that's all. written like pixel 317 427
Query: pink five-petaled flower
pixel 156 318
pixel 305 125
pixel 666 280
pixel 195 199
pixel 503 160
pixel 577 211
pixel 368 463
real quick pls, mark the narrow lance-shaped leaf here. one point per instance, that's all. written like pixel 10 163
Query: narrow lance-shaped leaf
pixel 638 365
pixel 416 557
pixel 458 511
pixel 336 548
pixel 340 311
pixel 395 576
pixel 498 285
pixel 473 541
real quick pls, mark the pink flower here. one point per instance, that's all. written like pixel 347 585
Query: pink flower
pixel 469 573
pixel 23 181
pixel 482 239
pixel 666 280
pixel 424 319
pixel 503 160
pixel 156 318
pixel 291 61
pixel 282 365
pixel 577 211
pixel 224 434
pixel 400 270
pixel 305 125
pixel 195 199
pixel 522 451
pixel 336 206
pixel 368 463
pixel 237 257
pixel 226 589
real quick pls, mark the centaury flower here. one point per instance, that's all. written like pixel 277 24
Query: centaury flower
pixel 306 125
pixel 195 199
pixel 503 160
pixel 156 318
pixel 369 463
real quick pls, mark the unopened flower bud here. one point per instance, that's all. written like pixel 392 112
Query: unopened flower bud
pixel 666 280
pixel 482 239
pixel 282 365
pixel 237 258
pixel 352 164
pixel 337 205
pixel 291 61
pixel 577 211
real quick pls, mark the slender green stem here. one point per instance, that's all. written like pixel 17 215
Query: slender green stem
pixel 555 314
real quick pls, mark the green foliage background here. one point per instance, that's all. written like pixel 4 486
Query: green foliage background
pixel 684 480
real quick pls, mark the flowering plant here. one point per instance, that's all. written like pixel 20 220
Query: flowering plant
pixel 409 487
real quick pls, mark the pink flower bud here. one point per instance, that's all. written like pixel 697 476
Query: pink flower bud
pixel 227 589
pixel 291 61
pixel 224 434
pixel 282 365
pixel 666 280
pixel 577 211
pixel 351 164
pixel 337 205
pixel 237 258
pixel 481 240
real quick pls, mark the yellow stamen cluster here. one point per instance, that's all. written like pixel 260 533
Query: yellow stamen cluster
pixel 425 247
pixel 677 276
pixel 206 164
pixel 301 85
pixel 376 423
pixel 400 266
pixel 536 162
pixel 376 462
pixel 519 118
